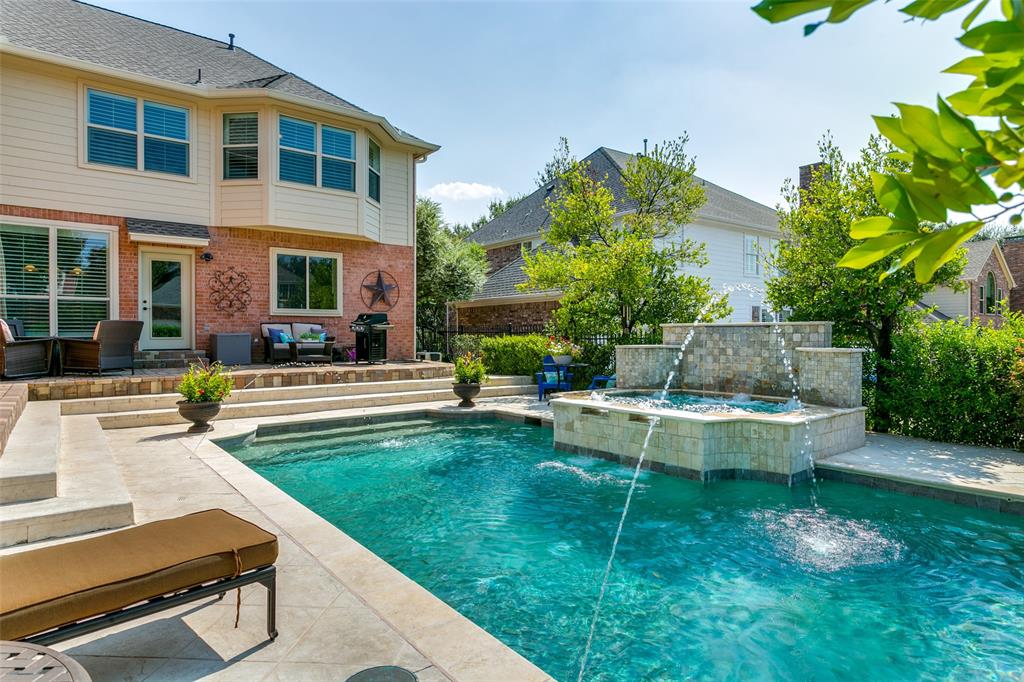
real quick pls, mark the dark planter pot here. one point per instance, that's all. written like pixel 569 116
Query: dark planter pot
pixel 199 414
pixel 467 392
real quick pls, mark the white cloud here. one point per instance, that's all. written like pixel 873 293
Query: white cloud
pixel 463 191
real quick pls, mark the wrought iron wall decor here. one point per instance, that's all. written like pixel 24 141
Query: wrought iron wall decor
pixel 229 290
pixel 379 291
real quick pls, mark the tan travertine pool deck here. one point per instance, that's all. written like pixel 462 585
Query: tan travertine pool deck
pixel 341 609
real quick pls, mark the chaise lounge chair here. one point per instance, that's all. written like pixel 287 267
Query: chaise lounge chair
pixel 62 591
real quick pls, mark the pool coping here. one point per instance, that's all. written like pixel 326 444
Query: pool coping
pixel 455 644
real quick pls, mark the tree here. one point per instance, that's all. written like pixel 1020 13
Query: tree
pixel 867 310
pixel 448 268
pixel 558 165
pixel 949 163
pixel 617 273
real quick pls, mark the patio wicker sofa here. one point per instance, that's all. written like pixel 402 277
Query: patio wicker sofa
pixel 297 350
pixel 62 591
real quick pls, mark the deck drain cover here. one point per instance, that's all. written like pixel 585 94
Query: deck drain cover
pixel 383 673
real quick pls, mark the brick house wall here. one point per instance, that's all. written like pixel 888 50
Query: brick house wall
pixel 991 265
pixel 500 316
pixel 501 256
pixel 248 251
pixel 1013 252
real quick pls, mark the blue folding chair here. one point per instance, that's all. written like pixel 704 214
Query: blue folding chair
pixel 605 382
pixel 553 378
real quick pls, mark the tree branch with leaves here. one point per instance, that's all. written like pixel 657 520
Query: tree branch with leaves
pixel 954 166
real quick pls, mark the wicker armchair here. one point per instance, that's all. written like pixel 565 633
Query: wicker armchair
pixel 22 356
pixel 112 346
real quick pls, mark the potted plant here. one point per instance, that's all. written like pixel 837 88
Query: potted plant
pixel 203 388
pixel 562 350
pixel 469 375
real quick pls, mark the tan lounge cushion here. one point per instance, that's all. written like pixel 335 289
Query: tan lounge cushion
pixel 52 586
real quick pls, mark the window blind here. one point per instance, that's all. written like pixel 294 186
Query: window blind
pixel 113 111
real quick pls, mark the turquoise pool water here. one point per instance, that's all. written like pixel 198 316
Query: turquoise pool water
pixel 730 581
pixel 738 404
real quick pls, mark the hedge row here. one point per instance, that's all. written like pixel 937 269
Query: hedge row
pixel 960 384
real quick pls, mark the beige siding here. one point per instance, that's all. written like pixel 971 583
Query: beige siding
pixel 241 205
pixel 372 213
pixel 39 155
pixel 314 209
pixel 948 302
pixel 396 187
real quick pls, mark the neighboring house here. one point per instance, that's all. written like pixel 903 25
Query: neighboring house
pixel 988 281
pixel 737 231
pixel 142 167
pixel 1013 253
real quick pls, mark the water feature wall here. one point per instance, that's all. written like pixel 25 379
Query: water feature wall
pixel 746 358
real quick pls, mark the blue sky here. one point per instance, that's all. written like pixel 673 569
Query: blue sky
pixel 496 84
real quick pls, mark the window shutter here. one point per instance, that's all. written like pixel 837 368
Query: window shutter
pixel 297 134
pixel 164 156
pixel 113 111
pixel 298 167
pixel 241 163
pixel 112 148
pixel 165 120
pixel 24 288
pixel 339 174
pixel 82 276
pixel 336 142
pixel 241 129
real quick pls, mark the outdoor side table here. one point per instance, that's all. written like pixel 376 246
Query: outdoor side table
pixel 231 348
pixel 24 661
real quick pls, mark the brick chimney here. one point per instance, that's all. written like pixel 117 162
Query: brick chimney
pixel 1013 252
pixel 807 174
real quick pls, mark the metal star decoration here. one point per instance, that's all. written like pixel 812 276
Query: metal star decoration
pixel 380 290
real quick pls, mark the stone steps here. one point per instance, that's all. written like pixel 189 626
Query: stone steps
pixel 28 468
pixel 167 359
pixel 266 408
pixel 90 494
pixel 167 401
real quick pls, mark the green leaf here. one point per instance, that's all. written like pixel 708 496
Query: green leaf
pixel 933 9
pixel 777 11
pixel 941 247
pixel 994 36
pixel 874 250
pixel 957 130
pixel 969 19
pixel 922 125
pixel 892 196
pixel 971 66
pixel 891 128
pixel 924 197
pixel 875 226
pixel 844 9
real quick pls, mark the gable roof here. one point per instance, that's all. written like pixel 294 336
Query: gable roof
pixel 978 254
pixel 529 215
pixel 502 283
pixel 80 31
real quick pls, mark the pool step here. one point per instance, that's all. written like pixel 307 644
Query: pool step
pixel 266 408
pixel 375 429
pixel 136 403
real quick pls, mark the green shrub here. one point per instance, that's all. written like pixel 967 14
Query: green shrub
pixel 205 384
pixel 469 369
pixel 960 384
pixel 515 355
pixel 460 344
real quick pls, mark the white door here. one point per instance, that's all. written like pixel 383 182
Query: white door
pixel 165 300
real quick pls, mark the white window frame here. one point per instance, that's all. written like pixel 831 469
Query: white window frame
pixel 748 240
pixel 379 172
pixel 224 145
pixel 139 132
pixel 318 155
pixel 113 262
pixel 305 312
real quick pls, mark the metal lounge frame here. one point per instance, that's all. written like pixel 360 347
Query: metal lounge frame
pixel 266 576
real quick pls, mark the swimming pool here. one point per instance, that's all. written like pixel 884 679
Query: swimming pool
pixel 734 580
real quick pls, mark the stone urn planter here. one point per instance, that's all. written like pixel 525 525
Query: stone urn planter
pixel 466 392
pixel 199 414
pixel 562 359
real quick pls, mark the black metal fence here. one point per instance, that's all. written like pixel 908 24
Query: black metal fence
pixel 442 340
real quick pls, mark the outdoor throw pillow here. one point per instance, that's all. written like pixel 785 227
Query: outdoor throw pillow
pixel 8 336
pixel 321 331
pixel 285 338
pixel 611 383
pixel 275 334
pixel 550 377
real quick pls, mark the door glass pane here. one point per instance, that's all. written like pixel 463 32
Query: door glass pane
pixel 291 282
pixel 25 277
pixel 165 304
pixel 323 283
